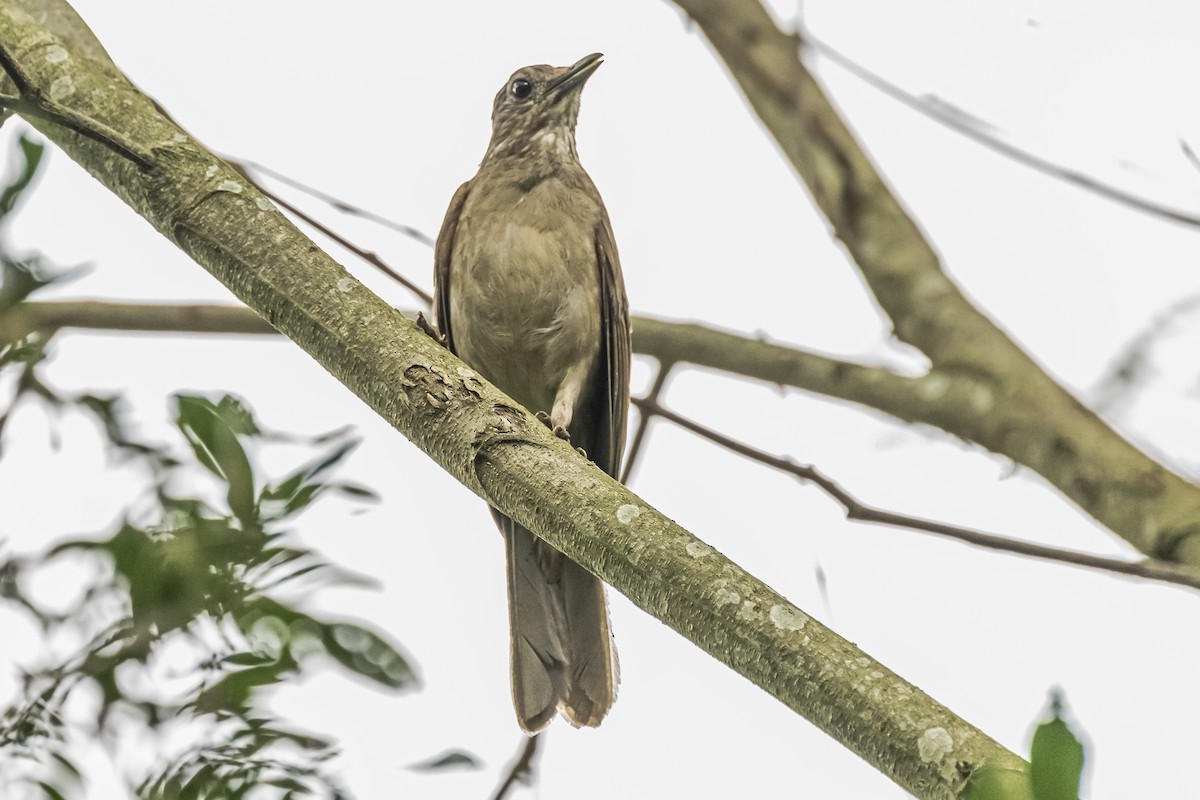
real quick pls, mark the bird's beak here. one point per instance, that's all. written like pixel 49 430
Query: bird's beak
pixel 573 79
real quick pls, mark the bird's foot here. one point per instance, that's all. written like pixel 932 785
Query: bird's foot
pixel 431 331
pixel 558 430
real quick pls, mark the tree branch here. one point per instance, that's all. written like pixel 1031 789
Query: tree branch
pixel 33 101
pixel 668 342
pixel 964 124
pixel 521 767
pixel 503 454
pixel 932 399
pixel 861 512
pixel 49 317
pixel 1018 410
pixel 335 202
pixel 639 434
pixel 366 255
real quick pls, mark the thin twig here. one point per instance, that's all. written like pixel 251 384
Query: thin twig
pixel 1130 364
pixel 939 113
pixel 340 205
pixel 33 102
pixel 1189 154
pixel 856 510
pixel 367 255
pixel 521 768
pixel 639 436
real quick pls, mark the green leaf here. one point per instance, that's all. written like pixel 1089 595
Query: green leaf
pixel 355 647
pixel 248 659
pixel 237 416
pixel 330 459
pixel 215 442
pixel 366 653
pixel 451 759
pixel 31 158
pixel 298 490
pixel 1056 758
pixel 19 279
pixel 166 589
pixel 234 692
pixel 356 491
pixel 50 791
pixel 67 766
pixel 199 784
pixel 285 782
pixel 302 499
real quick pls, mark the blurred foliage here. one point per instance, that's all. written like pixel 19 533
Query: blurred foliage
pixel 189 608
pixel 1055 764
pixel 207 576
pixel 31 159
pixel 1055 757
pixel 451 759
pixel 19 278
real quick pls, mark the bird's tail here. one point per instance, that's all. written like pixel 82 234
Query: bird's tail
pixel 562 652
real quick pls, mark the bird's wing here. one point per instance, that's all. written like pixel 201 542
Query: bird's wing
pixel 442 253
pixel 609 402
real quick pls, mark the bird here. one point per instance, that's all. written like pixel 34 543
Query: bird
pixel 528 291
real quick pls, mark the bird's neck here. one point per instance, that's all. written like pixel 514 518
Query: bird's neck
pixel 535 155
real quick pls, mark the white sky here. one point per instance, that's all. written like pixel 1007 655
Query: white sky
pixel 386 106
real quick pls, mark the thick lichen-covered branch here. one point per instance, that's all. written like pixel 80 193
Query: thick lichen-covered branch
pixel 1016 409
pixel 493 447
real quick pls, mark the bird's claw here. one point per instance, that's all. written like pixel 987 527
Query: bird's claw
pixel 431 331
pixel 557 430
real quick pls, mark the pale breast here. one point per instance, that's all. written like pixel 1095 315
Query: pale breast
pixel 523 287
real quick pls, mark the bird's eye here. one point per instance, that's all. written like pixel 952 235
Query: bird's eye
pixel 521 88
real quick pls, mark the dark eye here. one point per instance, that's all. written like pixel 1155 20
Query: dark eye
pixel 521 88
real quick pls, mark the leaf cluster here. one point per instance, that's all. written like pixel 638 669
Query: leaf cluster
pixel 212 577
pixel 183 573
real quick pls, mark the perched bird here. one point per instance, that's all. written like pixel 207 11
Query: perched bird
pixel 528 291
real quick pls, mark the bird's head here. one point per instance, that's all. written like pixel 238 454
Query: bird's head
pixel 535 111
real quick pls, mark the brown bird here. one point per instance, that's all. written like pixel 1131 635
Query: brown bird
pixel 528 291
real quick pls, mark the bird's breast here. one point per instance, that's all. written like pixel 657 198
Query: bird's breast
pixel 524 293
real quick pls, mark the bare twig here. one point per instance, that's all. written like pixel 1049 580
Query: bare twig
pixel 1189 154
pixel 339 204
pixel 639 436
pixel 366 255
pixel 521 768
pixel 861 512
pixel 962 123
pixel 33 102
pixel 1132 362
